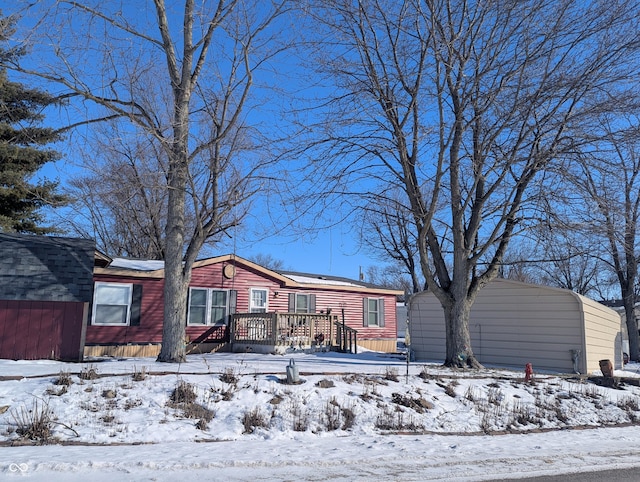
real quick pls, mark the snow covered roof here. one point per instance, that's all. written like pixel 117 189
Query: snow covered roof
pixel 319 280
pixel 137 264
pixel 149 266
pixel 307 278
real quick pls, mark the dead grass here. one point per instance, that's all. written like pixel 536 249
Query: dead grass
pixel 64 379
pixel 34 424
pixel 139 375
pixel 88 373
pixel 391 374
pixel 229 375
pixel 253 419
pixel 183 393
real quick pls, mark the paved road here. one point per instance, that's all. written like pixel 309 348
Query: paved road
pixel 606 475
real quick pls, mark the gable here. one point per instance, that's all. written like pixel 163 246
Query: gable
pixel 225 268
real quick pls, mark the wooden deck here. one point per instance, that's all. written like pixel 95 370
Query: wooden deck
pixel 267 332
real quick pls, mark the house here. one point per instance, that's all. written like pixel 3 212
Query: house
pixel 514 323
pixel 46 286
pixel 235 304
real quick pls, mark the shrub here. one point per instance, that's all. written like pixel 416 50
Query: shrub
pixel 229 375
pixel 224 394
pixel 139 375
pixel 300 417
pixel 332 414
pixel 64 379
pixel 348 418
pixel 34 424
pixel 324 383
pixel 450 389
pixel 183 393
pixel 195 410
pixel 61 391
pixel 253 419
pixel 424 374
pixel 391 374
pixel 389 419
pixel 88 373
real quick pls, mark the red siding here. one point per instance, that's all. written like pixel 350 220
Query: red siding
pixel 151 315
pixel 31 330
pixel 352 302
pixel 211 276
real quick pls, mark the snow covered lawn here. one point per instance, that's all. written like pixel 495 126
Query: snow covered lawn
pixel 234 417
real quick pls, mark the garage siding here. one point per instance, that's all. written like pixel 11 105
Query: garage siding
pixel 601 334
pixel 515 323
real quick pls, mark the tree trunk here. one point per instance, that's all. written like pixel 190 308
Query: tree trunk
pixel 175 314
pixel 459 352
pixel 176 282
pixel 177 273
pixel 632 328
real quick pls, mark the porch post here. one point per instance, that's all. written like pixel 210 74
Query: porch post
pixel 274 328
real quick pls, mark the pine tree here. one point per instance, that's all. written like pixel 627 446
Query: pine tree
pixel 21 151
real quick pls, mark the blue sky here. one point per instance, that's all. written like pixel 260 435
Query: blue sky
pixel 333 251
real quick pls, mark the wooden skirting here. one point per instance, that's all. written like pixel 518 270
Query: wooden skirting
pixel 148 351
pixel 386 346
pixel 122 351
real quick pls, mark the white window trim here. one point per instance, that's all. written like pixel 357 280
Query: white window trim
pixel 94 310
pixel 266 304
pixel 208 306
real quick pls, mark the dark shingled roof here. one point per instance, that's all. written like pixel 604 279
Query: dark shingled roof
pixel 43 268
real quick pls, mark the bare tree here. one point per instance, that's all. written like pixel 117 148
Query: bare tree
pixel 389 276
pixel 569 256
pixel 608 181
pixel 268 261
pixel 120 194
pixel 179 73
pixel 463 106
pixel 386 231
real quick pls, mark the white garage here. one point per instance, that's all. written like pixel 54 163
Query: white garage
pixel 514 323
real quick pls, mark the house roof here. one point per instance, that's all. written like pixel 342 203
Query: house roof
pixel 155 269
pixel 46 268
pixel 137 264
pixel 319 279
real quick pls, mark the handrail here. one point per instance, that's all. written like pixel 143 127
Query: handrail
pixel 346 338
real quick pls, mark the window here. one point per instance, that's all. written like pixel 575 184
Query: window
pixel 258 300
pixel 302 303
pixel 373 312
pixel 208 306
pixel 112 303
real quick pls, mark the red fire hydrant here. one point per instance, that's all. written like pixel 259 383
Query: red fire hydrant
pixel 528 371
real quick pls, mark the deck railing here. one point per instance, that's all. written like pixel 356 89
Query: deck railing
pixel 296 330
pixel 346 338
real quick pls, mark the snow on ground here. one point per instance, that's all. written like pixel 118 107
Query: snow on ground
pixel 351 417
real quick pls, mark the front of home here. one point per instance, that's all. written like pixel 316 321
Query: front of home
pixel 235 304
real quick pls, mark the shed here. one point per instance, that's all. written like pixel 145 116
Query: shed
pixel 514 323
pixel 46 285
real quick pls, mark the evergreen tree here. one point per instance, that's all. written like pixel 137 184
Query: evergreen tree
pixel 21 152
